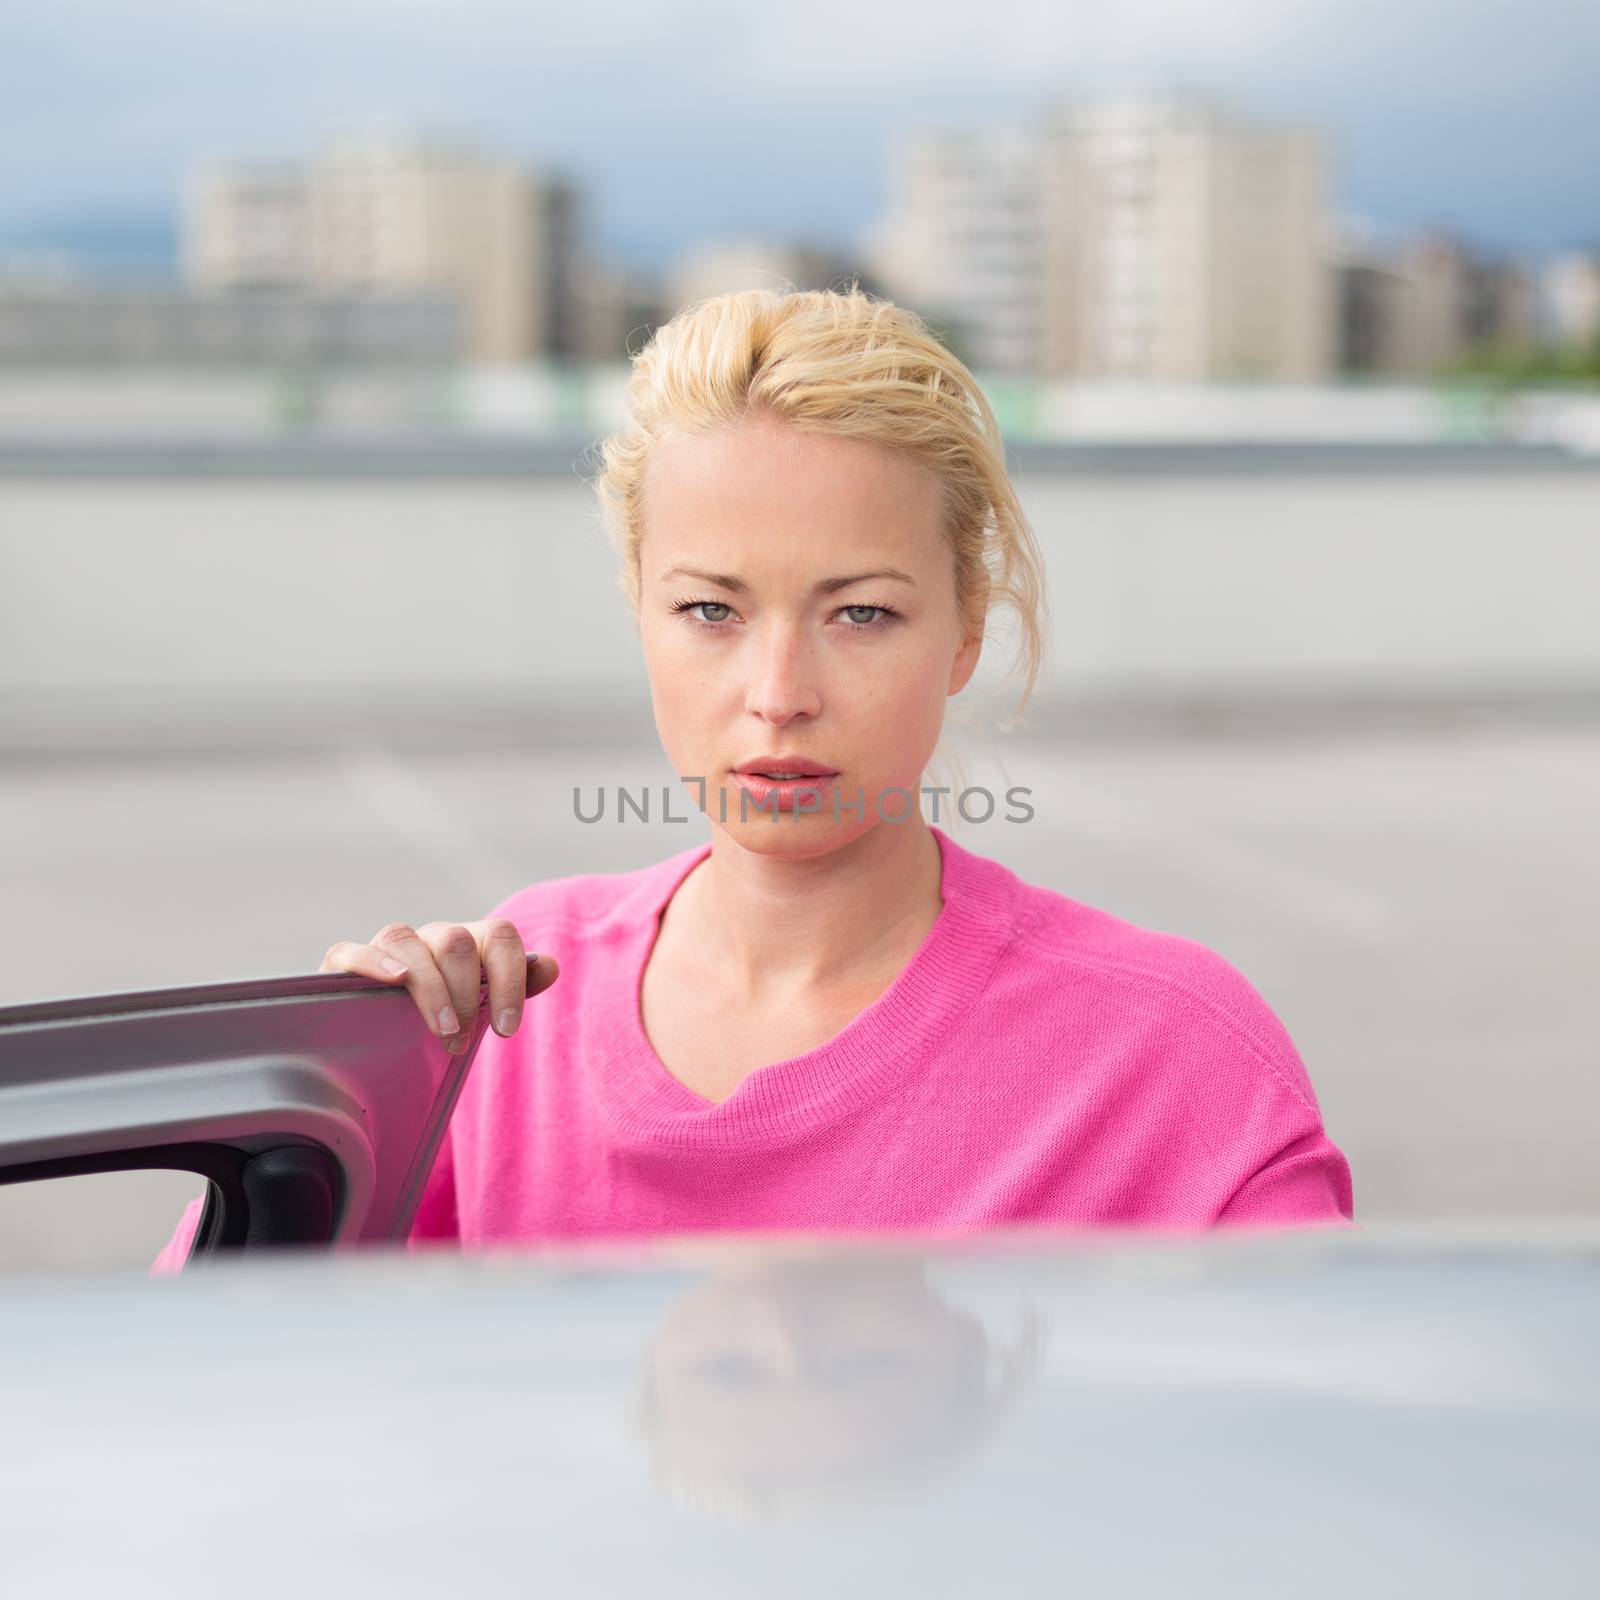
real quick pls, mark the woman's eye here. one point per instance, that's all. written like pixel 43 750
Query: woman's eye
pixel 713 612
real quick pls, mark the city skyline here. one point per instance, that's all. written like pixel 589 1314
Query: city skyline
pixel 1487 138
pixel 1149 236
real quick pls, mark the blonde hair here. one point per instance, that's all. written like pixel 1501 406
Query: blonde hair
pixel 849 363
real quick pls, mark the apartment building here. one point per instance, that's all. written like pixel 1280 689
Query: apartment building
pixel 963 241
pixel 1142 235
pixel 396 215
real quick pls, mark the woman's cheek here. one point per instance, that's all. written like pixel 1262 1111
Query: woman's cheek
pixel 914 699
pixel 905 731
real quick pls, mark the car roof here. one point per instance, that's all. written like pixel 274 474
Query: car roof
pixel 1405 1411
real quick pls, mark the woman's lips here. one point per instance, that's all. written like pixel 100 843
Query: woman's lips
pixel 781 793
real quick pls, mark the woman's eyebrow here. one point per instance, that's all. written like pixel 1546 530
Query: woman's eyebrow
pixel 727 580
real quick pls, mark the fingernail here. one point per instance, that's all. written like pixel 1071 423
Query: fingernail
pixel 448 1021
pixel 394 967
pixel 456 1043
pixel 508 1021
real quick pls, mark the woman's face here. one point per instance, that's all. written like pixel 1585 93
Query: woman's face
pixel 797 600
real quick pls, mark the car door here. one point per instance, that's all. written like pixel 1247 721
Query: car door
pixel 314 1105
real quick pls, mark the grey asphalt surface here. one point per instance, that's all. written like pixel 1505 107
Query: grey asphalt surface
pixel 1421 908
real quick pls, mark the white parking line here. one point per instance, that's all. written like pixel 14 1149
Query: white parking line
pixel 422 817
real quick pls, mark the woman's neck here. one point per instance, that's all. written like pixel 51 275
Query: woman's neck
pixel 777 926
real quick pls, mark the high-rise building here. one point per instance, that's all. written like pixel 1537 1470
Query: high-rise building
pixel 1148 235
pixel 247 227
pixel 963 242
pixel 1185 244
pixel 400 215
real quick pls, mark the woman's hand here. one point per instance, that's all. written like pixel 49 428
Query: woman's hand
pixel 443 964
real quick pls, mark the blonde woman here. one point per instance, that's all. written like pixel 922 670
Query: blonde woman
pixel 831 1015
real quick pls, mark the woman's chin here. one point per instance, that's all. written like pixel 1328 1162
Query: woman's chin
pixel 786 835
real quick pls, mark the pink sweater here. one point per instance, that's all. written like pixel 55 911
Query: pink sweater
pixel 1038 1061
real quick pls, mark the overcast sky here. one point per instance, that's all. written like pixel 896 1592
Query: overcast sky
pixel 708 116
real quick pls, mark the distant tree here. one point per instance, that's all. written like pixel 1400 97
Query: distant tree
pixel 1540 363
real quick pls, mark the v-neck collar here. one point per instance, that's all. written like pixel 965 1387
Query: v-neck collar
pixel 643 1103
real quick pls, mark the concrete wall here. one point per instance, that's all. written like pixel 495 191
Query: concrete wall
pixel 140 602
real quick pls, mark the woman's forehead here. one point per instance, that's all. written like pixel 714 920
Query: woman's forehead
pixel 737 488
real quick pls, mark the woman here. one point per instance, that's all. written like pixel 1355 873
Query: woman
pixel 832 1016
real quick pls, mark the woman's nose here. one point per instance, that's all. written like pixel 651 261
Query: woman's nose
pixel 782 679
